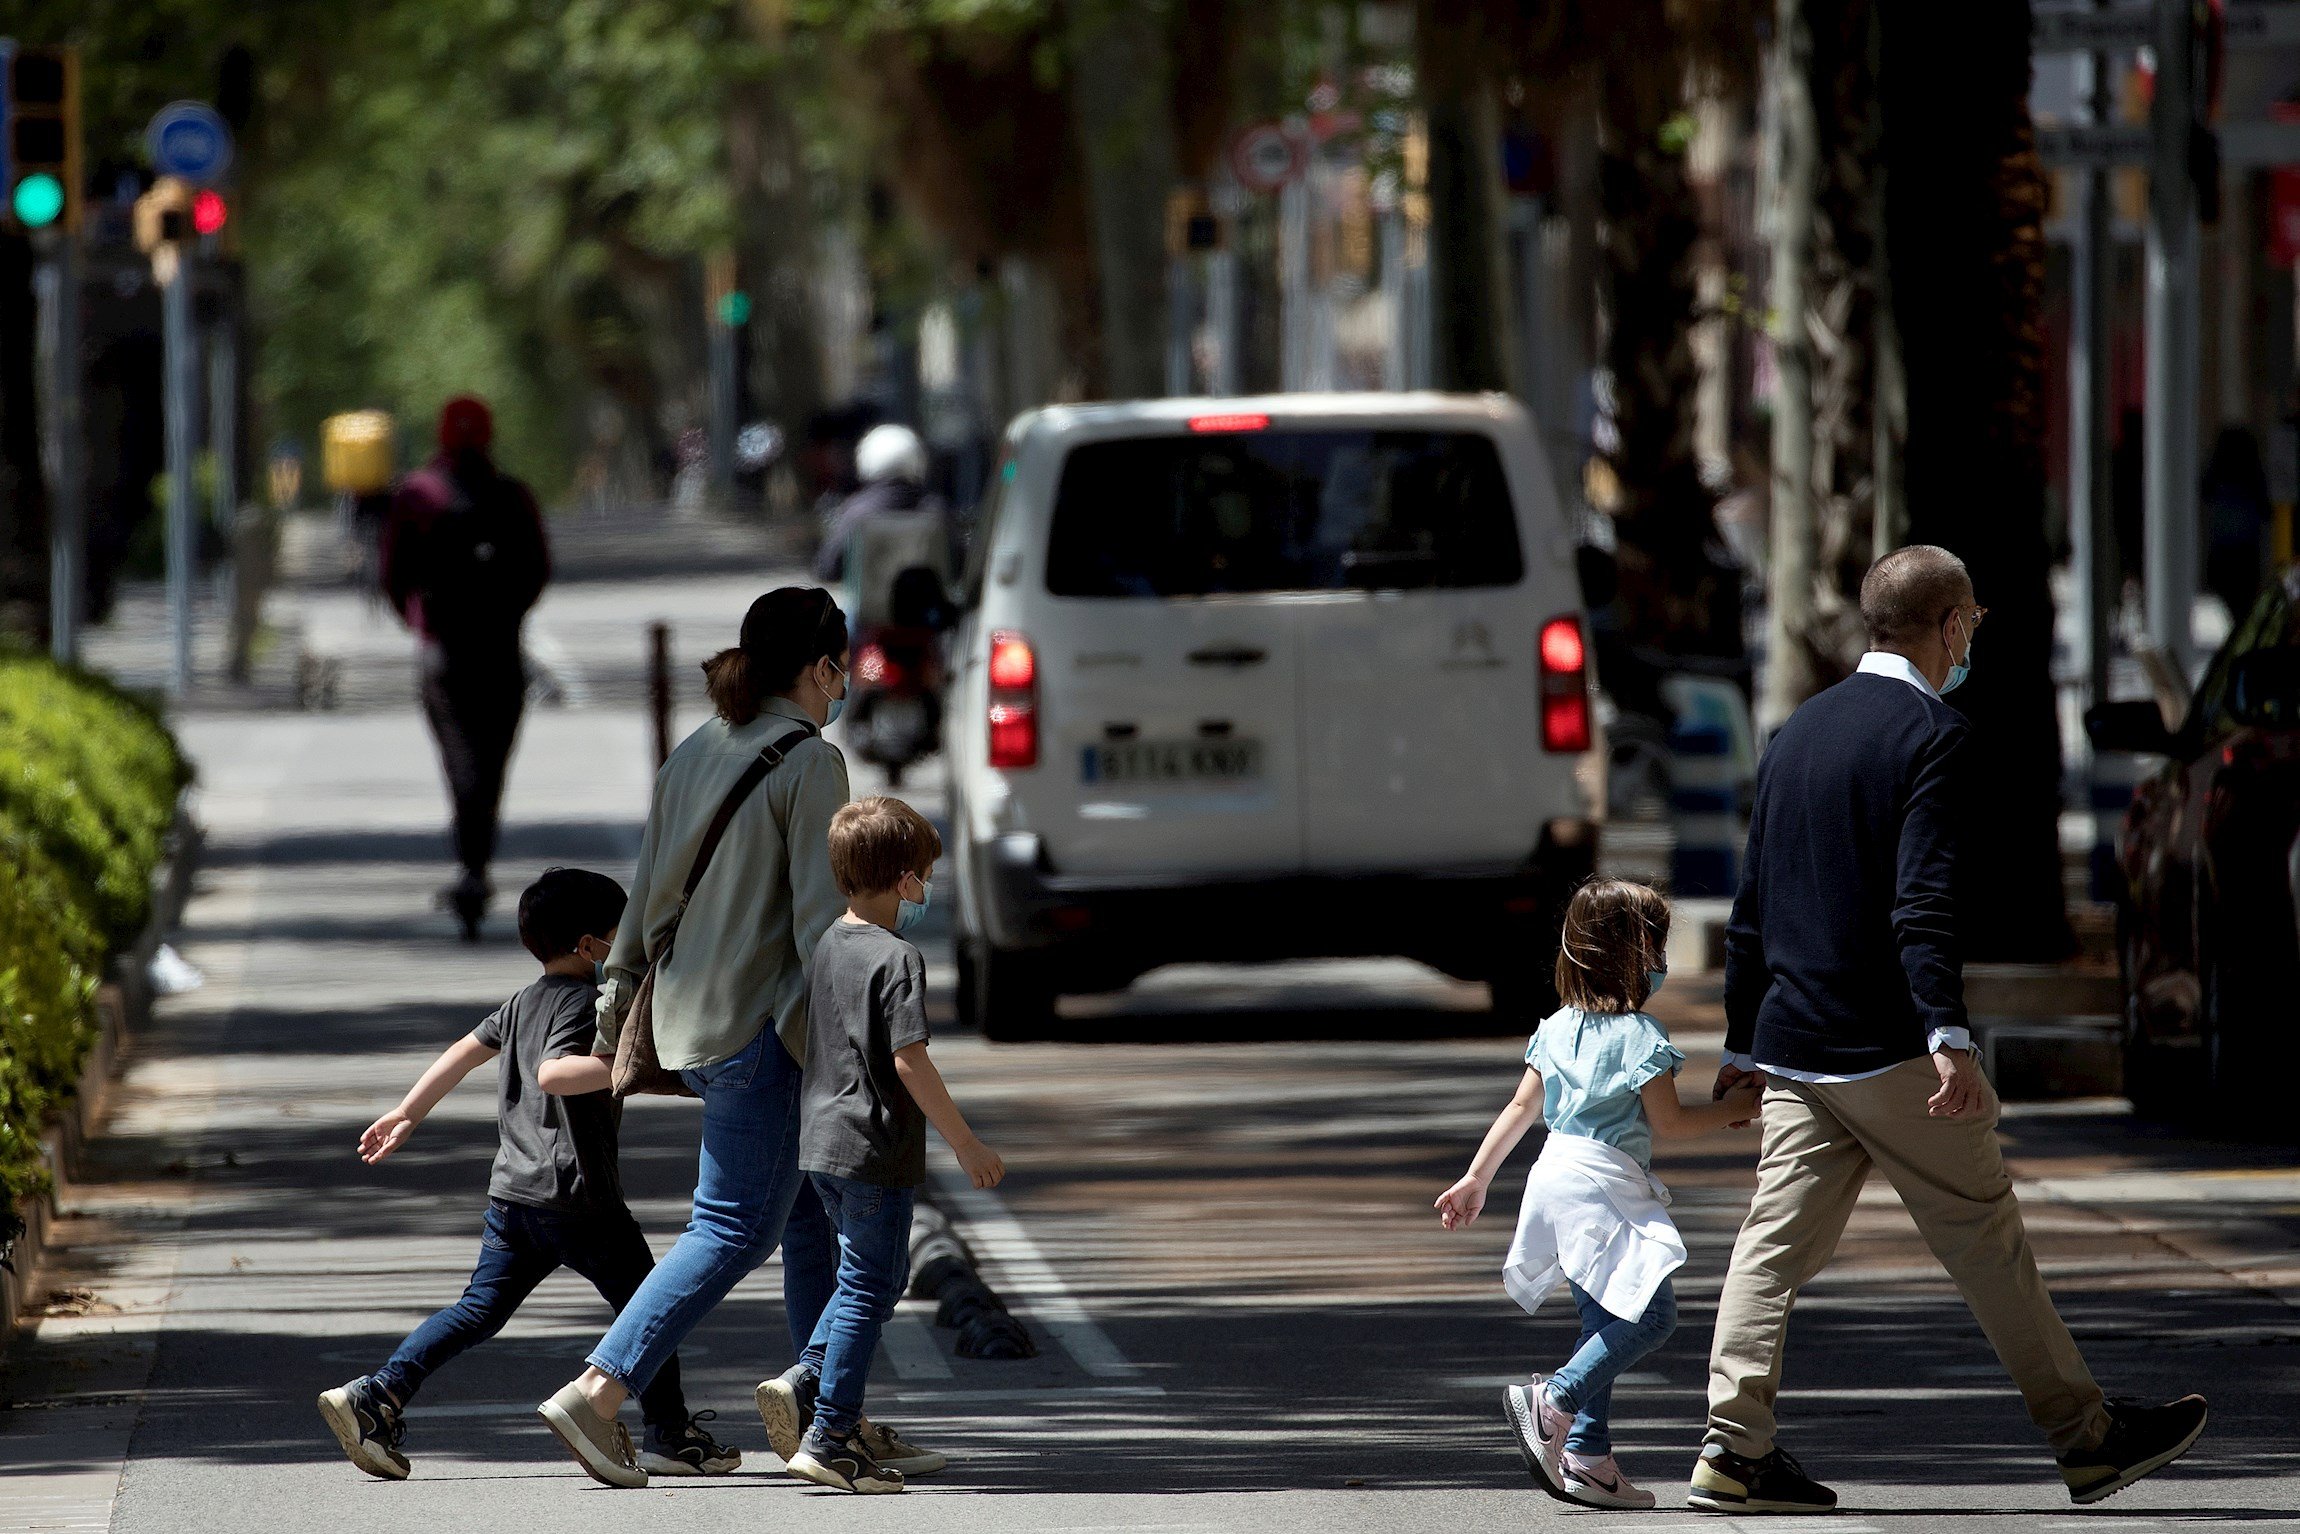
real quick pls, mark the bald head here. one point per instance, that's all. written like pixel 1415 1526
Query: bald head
pixel 1906 594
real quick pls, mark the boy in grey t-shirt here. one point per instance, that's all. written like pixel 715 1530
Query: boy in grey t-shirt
pixel 555 1198
pixel 870 1091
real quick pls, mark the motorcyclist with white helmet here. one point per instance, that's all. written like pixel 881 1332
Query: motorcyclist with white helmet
pixel 891 463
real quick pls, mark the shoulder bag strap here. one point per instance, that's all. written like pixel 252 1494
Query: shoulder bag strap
pixel 769 758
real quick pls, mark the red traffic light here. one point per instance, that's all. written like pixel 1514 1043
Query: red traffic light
pixel 208 212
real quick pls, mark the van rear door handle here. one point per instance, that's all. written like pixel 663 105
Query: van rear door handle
pixel 1234 656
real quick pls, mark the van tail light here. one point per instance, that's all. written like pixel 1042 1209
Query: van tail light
pixel 1013 701
pixel 1564 686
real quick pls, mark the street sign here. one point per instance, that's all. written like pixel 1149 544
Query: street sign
pixel 190 140
pixel 1266 157
pixel 2260 23
pixel 2244 24
pixel 2092 31
pixel 2094 144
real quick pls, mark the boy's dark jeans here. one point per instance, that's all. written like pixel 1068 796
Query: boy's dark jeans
pixel 873 1226
pixel 519 1247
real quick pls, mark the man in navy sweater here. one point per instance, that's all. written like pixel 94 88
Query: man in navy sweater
pixel 1844 989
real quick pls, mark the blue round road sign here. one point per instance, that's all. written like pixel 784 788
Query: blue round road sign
pixel 189 139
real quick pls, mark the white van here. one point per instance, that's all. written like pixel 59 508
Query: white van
pixel 1252 679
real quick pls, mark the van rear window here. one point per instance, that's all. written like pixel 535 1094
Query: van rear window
pixel 1326 510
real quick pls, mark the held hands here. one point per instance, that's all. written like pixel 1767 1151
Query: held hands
pixel 1961 1084
pixel 1461 1204
pixel 384 1136
pixel 1744 1097
pixel 1731 1080
pixel 980 1163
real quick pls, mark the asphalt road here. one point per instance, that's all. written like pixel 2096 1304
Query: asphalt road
pixel 1216 1226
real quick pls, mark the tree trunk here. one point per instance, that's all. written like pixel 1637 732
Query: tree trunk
pixel 1673 595
pixel 23 489
pixel 1964 226
pixel 776 254
pixel 1789 673
pixel 1472 315
pixel 1118 60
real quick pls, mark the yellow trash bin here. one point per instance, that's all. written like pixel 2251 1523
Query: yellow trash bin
pixel 356 451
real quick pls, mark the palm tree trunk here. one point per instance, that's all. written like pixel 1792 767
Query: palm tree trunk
pixel 1964 228
pixel 1789 672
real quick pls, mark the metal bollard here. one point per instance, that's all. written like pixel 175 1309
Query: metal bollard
pixel 659 688
pixel 1702 811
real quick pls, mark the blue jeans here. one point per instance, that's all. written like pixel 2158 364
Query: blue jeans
pixel 746 1184
pixel 1609 1345
pixel 873 1226
pixel 519 1247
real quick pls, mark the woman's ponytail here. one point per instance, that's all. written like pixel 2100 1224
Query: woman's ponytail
pixel 727 676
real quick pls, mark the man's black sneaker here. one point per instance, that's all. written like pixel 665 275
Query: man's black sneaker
pixel 842 1465
pixel 2141 1440
pixel 786 1407
pixel 1729 1483
pixel 369 1427
pixel 687 1450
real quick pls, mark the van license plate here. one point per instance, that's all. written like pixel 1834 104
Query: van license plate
pixel 1194 761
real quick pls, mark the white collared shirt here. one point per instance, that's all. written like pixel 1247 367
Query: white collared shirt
pixel 1900 668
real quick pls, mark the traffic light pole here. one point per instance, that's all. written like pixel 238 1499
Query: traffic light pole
pixel 57 285
pixel 180 366
pixel 2169 445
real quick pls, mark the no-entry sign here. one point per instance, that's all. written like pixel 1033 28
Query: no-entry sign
pixel 1266 157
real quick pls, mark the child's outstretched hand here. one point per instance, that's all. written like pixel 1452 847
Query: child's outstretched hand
pixel 384 1136
pixel 982 1165
pixel 1744 1098
pixel 1461 1203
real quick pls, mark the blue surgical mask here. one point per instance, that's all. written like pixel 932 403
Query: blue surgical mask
pixel 838 704
pixel 598 971
pixel 1959 669
pixel 1653 979
pixel 912 912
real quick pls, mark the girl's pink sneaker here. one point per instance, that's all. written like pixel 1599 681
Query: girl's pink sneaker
pixel 1600 1483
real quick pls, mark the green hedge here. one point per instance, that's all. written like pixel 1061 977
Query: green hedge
pixel 88 784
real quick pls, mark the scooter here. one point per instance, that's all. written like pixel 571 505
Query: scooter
pixel 894 715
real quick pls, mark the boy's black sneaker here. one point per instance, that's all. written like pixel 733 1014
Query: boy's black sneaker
pixel 786 1407
pixel 369 1427
pixel 1724 1482
pixel 2141 1440
pixel 687 1450
pixel 842 1465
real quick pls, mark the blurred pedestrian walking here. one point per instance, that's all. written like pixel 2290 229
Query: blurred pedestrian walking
pixel 1603 1075
pixel 463 559
pixel 1844 993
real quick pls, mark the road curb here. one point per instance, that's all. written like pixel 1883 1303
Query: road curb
pixel 943 1269
pixel 123 1010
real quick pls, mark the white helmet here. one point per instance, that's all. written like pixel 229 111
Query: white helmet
pixel 890 452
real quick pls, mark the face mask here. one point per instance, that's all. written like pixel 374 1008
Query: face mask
pixel 839 703
pixel 1959 670
pixel 598 971
pixel 1653 979
pixel 911 912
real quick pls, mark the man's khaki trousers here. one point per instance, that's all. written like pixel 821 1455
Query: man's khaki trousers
pixel 1820 1139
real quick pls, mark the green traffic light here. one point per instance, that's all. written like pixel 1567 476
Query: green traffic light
pixel 39 200
pixel 735 308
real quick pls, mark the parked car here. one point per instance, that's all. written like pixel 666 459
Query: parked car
pixel 2210 856
pixel 1261 679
